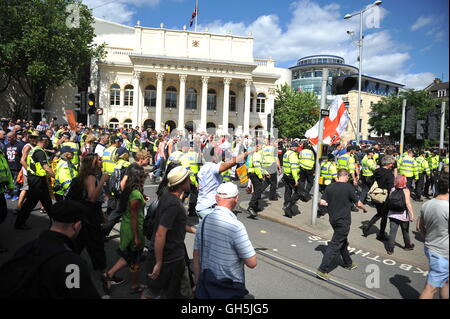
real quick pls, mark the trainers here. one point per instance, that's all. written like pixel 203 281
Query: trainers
pixel 352 266
pixel 410 247
pixel 323 275
pixel 15 198
pixel 116 280
pixel 365 231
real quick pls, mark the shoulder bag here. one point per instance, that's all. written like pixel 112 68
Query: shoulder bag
pixel 377 195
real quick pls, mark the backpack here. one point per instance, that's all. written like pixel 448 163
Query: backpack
pixel 18 276
pixel 114 181
pixel 149 220
pixel 396 201
pixel 75 191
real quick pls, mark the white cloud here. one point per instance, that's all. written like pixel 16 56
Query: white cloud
pixel 322 30
pixel 421 22
pixel 416 81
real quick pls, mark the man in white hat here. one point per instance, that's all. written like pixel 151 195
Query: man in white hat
pixel 166 262
pixel 223 244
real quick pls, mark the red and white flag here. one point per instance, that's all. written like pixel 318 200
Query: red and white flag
pixel 194 13
pixel 334 125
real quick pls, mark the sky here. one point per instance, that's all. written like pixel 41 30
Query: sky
pixel 405 41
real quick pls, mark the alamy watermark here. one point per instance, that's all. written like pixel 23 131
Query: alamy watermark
pixel 73 279
pixel 373 279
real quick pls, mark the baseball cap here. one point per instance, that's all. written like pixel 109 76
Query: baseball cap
pixel 177 175
pixel 294 144
pixel 67 211
pixel 227 190
pixel 42 138
pixel 116 139
pixel 121 151
pixel 19 132
pixel 66 149
pixel 65 134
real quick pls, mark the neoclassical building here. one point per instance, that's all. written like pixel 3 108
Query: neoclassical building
pixel 160 78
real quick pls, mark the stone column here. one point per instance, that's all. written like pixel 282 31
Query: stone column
pixel 226 104
pixel 159 92
pixel 137 112
pixel 246 127
pixel 204 110
pixel 182 103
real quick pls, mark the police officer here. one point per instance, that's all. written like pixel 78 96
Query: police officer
pixel 136 144
pixel 368 166
pixel 433 163
pixel 255 173
pixel 65 172
pixel 271 165
pixel 109 157
pixel 422 170
pixel 46 267
pixel 328 172
pixel 291 176
pixel 76 149
pixel 6 185
pixel 348 162
pixel 192 161
pixel 306 162
pixel 175 157
pixel 38 168
pixel 407 167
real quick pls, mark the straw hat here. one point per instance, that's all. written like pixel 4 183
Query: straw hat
pixel 177 175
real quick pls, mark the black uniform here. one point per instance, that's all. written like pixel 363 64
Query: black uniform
pixel 44 268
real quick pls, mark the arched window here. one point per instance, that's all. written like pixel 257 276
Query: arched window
pixel 252 99
pixel 150 96
pixel 212 100
pixel 211 128
pixel 231 127
pixel 258 130
pixel 128 124
pixel 149 124
pixel 232 99
pixel 171 97
pixel 129 95
pixel 170 126
pixel 114 124
pixel 191 99
pixel 261 103
pixel 189 126
pixel 114 93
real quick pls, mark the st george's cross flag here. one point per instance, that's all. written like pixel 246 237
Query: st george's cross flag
pixel 334 125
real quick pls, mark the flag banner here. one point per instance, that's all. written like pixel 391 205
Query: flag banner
pixel 70 115
pixel 194 14
pixel 334 125
pixel 242 174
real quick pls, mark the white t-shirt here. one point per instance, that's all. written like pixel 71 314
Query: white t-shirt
pixel 209 179
pixel 99 149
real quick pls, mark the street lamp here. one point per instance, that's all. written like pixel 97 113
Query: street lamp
pixel 360 45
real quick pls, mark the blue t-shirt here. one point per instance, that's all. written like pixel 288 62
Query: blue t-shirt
pixel 209 179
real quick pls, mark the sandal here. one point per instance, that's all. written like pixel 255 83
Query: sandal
pixel 137 290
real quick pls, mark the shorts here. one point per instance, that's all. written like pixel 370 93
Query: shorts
pixel 438 273
pixel 132 257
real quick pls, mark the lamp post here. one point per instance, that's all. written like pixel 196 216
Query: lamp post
pixel 360 45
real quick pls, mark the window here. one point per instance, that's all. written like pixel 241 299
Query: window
pixel 150 96
pixel 441 93
pixel 171 97
pixel 318 74
pixel 261 103
pixel 232 103
pixel 129 95
pixel 114 93
pixel 252 99
pixel 128 124
pixel 191 99
pixel 114 124
pixel 212 100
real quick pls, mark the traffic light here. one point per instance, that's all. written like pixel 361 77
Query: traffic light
pixel 421 130
pixel 80 102
pixel 342 84
pixel 433 125
pixel 91 103
pixel 411 120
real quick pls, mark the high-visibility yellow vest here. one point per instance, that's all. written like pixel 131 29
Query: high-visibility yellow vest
pixel 35 168
pixel 347 161
pixel 226 176
pixel 435 162
pixel 109 160
pixel 445 161
pixel 291 164
pixel 422 166
pixel 269 156
pixel 306 159
pixel 136 145
pixel 83 139
pixel 328 172
pixel 407 167
pixel 76 158
pixel 191 162
pixel 255 164
pixel 5 174
pixel 368 166
pixel 64 175
pixel 127 145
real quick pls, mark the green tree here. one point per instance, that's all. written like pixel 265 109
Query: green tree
pixel 295 112
pixel 386 115
pixel 43 44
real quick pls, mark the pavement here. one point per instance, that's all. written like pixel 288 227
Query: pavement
pixel 272 210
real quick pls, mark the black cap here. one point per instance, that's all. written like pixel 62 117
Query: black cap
pixel 42 138
pixel 116 139
pixel 331 157
pixel 67 149
pixel 68 211
pixel 19 132
pixel 121 151
pixel 294 144
pixel 65 134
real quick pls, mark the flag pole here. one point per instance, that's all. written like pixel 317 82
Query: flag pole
pixel 319 147
pixel 196 14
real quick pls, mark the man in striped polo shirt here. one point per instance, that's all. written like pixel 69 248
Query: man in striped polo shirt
pixel 226 247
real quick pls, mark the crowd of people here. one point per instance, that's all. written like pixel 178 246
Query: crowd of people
pixel 99 166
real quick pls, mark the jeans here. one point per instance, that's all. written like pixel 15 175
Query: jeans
pixel 16 190
pixel 337 245
pixel 394 224
pixel 382 213
pixel 366 184
pixel 420 186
